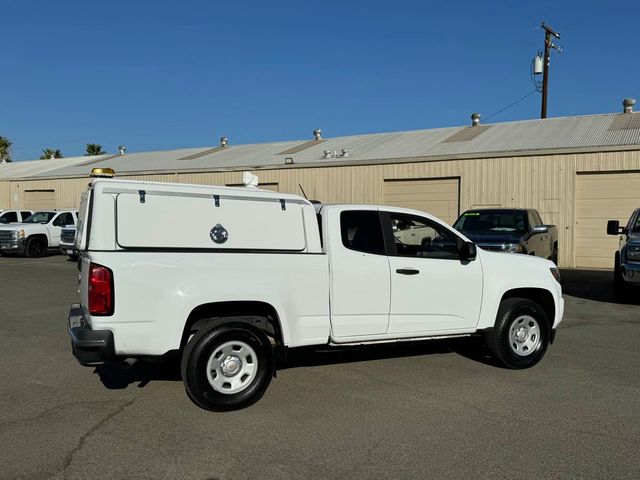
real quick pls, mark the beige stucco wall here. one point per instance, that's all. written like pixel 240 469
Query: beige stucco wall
pixel 546 183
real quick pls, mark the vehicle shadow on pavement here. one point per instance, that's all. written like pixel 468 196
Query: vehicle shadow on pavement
pixel 596 285
pixel 471 348
pixel 117 376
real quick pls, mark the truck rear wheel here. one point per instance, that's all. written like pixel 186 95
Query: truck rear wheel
pixel 36 247
pixel 227 367
pixel 521 334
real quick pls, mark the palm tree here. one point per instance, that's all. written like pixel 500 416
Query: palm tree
pixel 94 149
pixel 5 149
pixel 48 153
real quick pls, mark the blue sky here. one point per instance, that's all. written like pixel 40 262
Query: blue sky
pixel 157 75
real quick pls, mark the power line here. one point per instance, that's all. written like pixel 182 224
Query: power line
pixel 511 104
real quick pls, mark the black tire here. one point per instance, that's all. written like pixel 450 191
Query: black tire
pixel 620 287
pixel 36 247
pixel 199 351
pixel 527 314
pixel 554 256
pixel 74 257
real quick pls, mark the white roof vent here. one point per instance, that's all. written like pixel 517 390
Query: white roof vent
pixel 317 133
pixel 628 104
pixel 475 119
pixel 224 141
pixel 122 149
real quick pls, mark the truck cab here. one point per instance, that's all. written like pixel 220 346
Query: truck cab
pixel 37 234
pixel 626 262
pixel 14 216
pixel 510 230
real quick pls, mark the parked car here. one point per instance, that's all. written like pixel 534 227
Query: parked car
pixel 626 263
pixel 38 233
pixel 68 243
pixel 249 273
pixel 515 230
pixel 14 216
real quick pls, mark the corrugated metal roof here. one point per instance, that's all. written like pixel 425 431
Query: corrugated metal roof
pixel 522 137
pixel 38 167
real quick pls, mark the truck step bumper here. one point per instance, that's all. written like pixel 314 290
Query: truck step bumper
pixel 90 347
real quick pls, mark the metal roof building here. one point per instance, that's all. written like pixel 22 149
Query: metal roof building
pixel 577 171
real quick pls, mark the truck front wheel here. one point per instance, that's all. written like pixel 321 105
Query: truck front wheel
pixel 619 285
pixel 36 247
pixel 227 367
pixel 521 333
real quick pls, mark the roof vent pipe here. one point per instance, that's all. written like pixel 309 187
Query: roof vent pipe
pixel 475 119
pixel 224 141
pixel 122 149
pixel 628 104
pixel 317 133
pixel 327 154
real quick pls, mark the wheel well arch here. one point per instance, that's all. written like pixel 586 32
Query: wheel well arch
pixel 39 235
pixel 542 297
pixel 259 314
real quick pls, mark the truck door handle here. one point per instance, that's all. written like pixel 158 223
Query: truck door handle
pixel 407 271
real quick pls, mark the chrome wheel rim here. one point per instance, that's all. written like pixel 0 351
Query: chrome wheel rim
pixel 232 367
pixel 524 335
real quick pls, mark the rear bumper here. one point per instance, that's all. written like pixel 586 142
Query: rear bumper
pixel 90 347
pixel 68 250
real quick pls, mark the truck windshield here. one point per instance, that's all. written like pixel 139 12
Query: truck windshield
pixel 636 228
pixel 40 217
pixel 491 222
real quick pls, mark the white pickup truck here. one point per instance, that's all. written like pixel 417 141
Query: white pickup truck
pixel 14 216
pixel 38 233
pixel 247 274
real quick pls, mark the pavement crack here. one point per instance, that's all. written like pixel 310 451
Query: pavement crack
pixel 68 460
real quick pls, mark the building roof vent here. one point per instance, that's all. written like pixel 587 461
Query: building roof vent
pixel 317 133
pixel 628 104
pixel 224 141
pixel 475 119
pixel 122 149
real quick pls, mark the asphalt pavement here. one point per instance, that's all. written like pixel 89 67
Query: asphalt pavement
pixel 430 410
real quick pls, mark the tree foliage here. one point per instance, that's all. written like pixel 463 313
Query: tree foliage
pixel 5 149
pixel 94 149
pixel 48 153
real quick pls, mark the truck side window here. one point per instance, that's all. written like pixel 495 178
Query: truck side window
pixel 361 231
pixel 537 218
pixel 64 220
pixel 419 237
pixel 25 215
pixel 10 217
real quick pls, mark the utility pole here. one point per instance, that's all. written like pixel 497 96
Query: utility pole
pixel 548 45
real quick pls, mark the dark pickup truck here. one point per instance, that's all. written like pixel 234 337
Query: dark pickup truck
pixel 626 266
pixel 515 230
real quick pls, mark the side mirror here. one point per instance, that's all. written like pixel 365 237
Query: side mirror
pixel 467 251
pixel 540 229
pixel 613 227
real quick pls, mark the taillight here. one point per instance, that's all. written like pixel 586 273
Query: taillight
pixel 100 290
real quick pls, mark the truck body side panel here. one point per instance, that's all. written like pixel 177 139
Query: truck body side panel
pixel 156 292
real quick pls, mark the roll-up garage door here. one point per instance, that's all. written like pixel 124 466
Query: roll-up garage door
pixel 602 197
pixel 40 200
pixel 439 197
